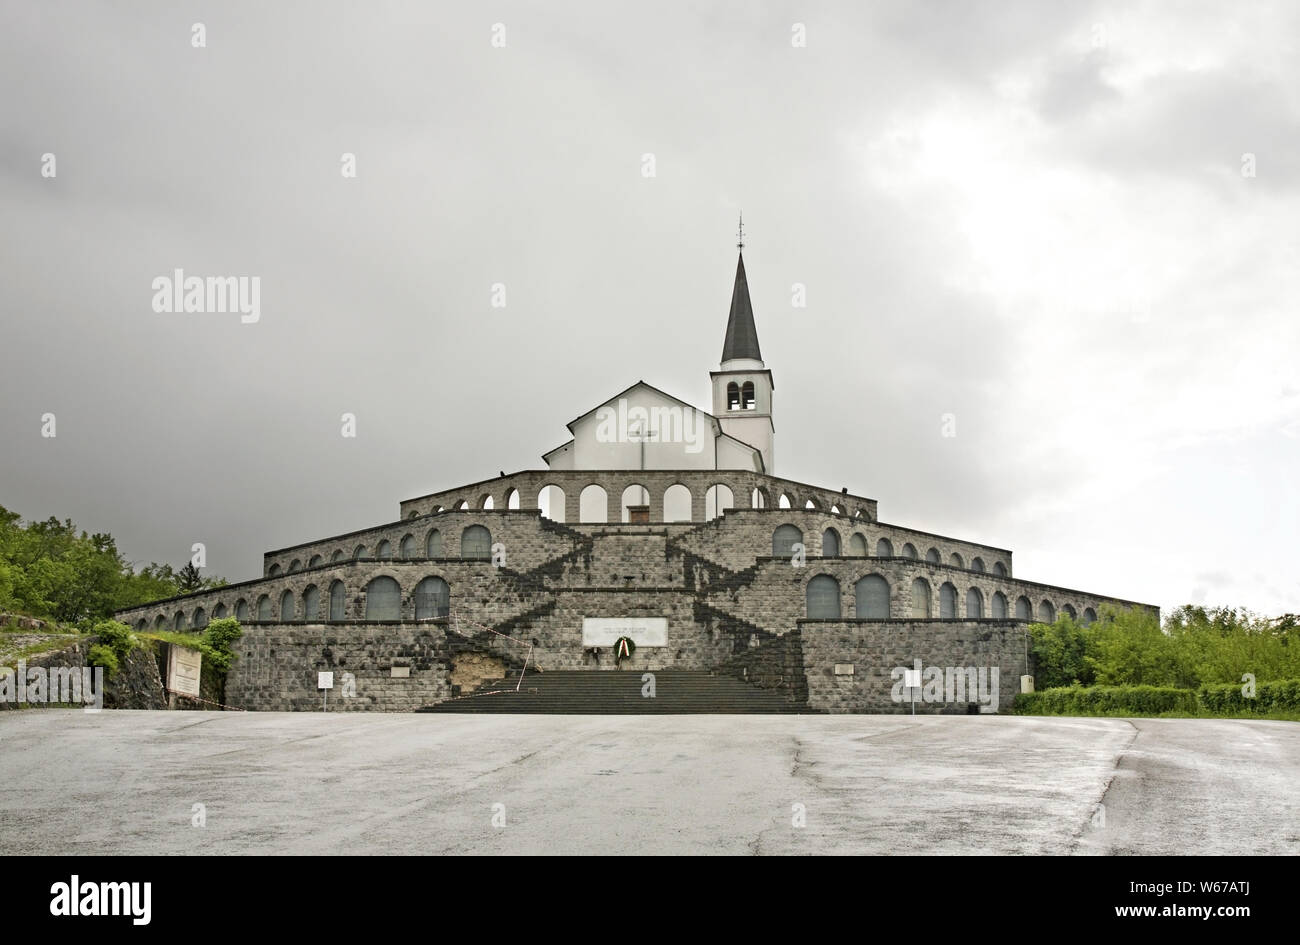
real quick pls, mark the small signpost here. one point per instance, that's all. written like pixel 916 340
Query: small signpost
pixel 325 682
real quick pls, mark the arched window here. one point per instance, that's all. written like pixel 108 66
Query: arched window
pixel 337 556
pixel 219 612
pixel 884 548
pixel 830 543
pixel 408 546
pixel 784 539
pixel 947 601
pixel 295 565
pixel 264 608
pixel 758 498
pixel 338 601
pixel 486 502
pixel 977 564
pixel 200 619
pixel 932 556
pixel 550 501
pixel 974 603
pixel 311 604
pixel 823 597
pixel 512 499
pixel 286 607
pixel 432 599
pixel 141 625
pixel 433 544
pixel 909 551
pixel 733 396
pixel 383 599
pixel 275 570
pixel 747 396
pixel 999 605
pixel 593 505
pixel 1024 609
pixel 160 623
pixel 1069 612
pixel 1046 612
pixel 955 561
pixel 316 561
pixel 476 543
pixel 361 552
pixel 633 495
pixel 178 622
pixel 783 501
pixel 920 598
pixel 717 500
pixel 858 546
pixel 241 610
pixel 385 550
pixel 872 597
pixel 999 569
pixel 1089 616
pixel 677 503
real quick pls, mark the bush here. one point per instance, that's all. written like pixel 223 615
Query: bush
pixel 1282 695
pixel 116 636
pixel 1106 700
pixel 101 655
pixel 218 639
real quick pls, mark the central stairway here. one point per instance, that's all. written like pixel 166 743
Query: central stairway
pixel 611 692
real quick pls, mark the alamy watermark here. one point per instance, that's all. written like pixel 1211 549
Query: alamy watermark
pixel 181 293
pixel 947 684
pixel 660 424
pixel 57 685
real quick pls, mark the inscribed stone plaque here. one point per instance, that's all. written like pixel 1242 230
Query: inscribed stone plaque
pixel 400 672
pixel 643 631
pixel 843 669
pixel 183 668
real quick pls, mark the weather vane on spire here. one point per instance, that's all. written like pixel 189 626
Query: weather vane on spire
pixel 740 233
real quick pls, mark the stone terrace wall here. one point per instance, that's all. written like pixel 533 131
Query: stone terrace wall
pixel 875 648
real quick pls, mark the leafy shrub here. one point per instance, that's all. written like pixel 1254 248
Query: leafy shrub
pixel 1283 695
pixel 101 655
pixel 1107 700
pixel 218 640
pixel 116 636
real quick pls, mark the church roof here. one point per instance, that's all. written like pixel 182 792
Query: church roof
pixel 742 337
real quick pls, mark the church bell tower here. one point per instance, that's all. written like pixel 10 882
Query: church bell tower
pixel 742 385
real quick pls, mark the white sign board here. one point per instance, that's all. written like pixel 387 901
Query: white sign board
pixel 325 680
pixel 643 631
pixel 183 668
pixel 912 678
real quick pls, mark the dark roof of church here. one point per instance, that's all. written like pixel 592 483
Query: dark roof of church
pixel 742 337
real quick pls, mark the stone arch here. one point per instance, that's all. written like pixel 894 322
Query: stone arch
pixel 311 603
pixel 550 502
pixel 858 545
pixel 759 498
pixel 999 605
pixel 784 539
pixel 635 494
pixel 383 599
pixel 241 610
pixel 1069 611
pixel 275 570
pixel 1089 616
pixel 414 513
pixel 219 612
pixel 974 604
pixel 360 552
pixel 1046 611
pixel 199 620
pixel 1024 609
pixel 141 625
pixel 433 544
pixel 871 598
pixel 384 550
pixel 160 622
pixel 461 506
pixel 512 499
pixel 920 598
pixel 947 601
pixel 999 569
pixel 287 607
pixel 486 502
pixel 955 560
pixel 784 501
pixel 264 608
pixel 909 551
pixel 593 505
pixel 977 564
pixel 178 622
pixel 295 565
pixel 677 503
pixel 432 598
pixel 884 548
pixel 338 601
pixel 718 498
pixel 830 543
pixel 932 556
pixel 337 556
pixel 407 547
pixel 822 597
pixel 316 561
pixel 813 504
pixel 476 543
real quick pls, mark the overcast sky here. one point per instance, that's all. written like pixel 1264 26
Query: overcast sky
pixel 1039 218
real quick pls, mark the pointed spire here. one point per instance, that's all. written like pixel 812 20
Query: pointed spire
pixel 742 337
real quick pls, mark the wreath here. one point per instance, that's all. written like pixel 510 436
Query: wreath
pixel 624 647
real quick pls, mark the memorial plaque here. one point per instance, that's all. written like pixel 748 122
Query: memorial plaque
pixel 183 669
pixel 400 672
pixel 643 631
pixel 843 669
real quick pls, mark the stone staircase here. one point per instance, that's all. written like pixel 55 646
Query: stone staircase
pixel 611 692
